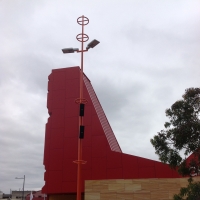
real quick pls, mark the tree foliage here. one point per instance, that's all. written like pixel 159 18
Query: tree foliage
pixel 180 138
pixel 181 134
pixel 191 192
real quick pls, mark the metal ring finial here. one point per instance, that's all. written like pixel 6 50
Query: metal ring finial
pixel 82 37
pixel 83 20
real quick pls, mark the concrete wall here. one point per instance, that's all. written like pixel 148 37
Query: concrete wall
pixel 134 189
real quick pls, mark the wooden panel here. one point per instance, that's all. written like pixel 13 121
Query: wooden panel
pixel 131 187
pixel 134 189
pixel 92 196
pixel 125 196
pixel 116 187
pixel 108 196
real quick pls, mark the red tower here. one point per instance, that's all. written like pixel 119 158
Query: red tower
pixel 100 148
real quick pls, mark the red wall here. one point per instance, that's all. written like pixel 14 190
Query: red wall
pixel 37 196
pixel 61 140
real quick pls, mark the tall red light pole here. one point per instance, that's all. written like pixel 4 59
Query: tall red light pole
pixel 82 37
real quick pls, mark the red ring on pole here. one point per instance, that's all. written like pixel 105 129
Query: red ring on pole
pixel 83 20
pixel 82 37
pixel 79 101
pixel 80 161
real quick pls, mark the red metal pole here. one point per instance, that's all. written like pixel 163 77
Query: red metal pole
pixel 80 120
pixel 81 38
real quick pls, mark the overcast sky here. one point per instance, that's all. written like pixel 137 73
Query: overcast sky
pixel 149 53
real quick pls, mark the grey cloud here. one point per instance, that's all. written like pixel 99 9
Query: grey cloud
pixel 148 54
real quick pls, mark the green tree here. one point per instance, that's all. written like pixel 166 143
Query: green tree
pixel 191 192
pixel 181 136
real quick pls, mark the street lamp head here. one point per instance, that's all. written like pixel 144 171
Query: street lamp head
pixel 20 177
pixel 92 44
pixel 69 50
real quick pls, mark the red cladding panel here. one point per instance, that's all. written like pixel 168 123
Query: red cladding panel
pixel 45 189
pixel 175 174
pixel 59 81
pixel 130 166
pixel 49 101
pixel 58 116
pixel 50 85
pixel 46 153
pixel 99 150
pixel 87 141
pixel 72 73
pixel 48 131
pixel 71 108
pixel 160 168
pixel 114 159
pixel 72 88
pixel 56 159
pixel 114 173
pixel 57 136
pixel 96 126
pixel 55 185
pixel 58 99
pixel 71 127
pixel 142 162
pixel 70 148
pixel 87 174
pixel 99 168
pixel 45 176
pixel 69 186
pixel 87 157
pixel 47 144
pixel 88 115
pixel 69 170
pixel 50 77
pixel 49 121
pixel 87 97
pixel 147 172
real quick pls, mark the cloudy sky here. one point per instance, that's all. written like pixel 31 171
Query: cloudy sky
pixel 149 53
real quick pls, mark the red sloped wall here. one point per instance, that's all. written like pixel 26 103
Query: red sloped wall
pixel 61 140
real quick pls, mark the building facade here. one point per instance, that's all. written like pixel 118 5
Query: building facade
pixel 104 157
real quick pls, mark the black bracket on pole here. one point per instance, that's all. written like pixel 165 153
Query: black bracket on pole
pixel 81 133
pixel 82 106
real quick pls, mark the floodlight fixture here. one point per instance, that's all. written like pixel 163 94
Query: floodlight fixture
pixel 70 50
pixel 92 44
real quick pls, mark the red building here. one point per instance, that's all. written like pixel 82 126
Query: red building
pixel 101 150
pixel 36 195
